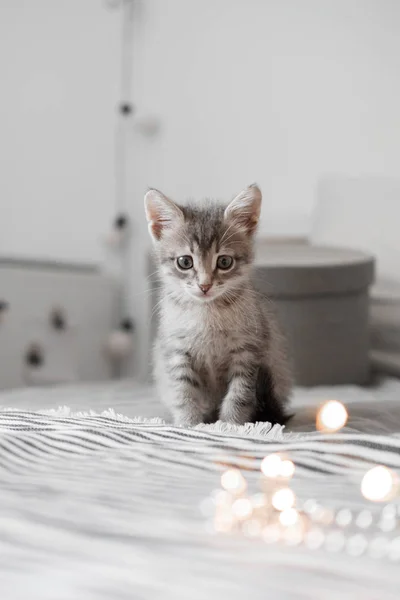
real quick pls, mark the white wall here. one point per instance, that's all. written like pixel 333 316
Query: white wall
pixel 59 76
pixel 277 91
pixel 280 92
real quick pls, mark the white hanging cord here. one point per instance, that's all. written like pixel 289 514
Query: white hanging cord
pixel 120 342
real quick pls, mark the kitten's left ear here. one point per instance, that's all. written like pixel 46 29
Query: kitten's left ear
pixel 245 209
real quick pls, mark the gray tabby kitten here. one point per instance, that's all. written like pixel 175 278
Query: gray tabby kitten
pixel 218 353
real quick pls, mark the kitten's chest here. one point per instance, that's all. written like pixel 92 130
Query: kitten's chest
pixel 210 336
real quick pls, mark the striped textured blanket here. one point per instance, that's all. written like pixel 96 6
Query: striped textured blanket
pixel 105 505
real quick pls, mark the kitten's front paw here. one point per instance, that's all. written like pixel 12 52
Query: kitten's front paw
pixel 235 413
pixel 187 423
pixel 187 419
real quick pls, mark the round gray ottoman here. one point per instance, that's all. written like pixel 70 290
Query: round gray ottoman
pixel 321 298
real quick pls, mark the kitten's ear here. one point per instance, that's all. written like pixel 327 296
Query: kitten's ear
pixel 245 209
pixel 161 213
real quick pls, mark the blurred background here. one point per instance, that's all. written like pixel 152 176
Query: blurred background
pixel 197 98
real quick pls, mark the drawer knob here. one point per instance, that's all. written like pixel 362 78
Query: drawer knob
pixel 34 356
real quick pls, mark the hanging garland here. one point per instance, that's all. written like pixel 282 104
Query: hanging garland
pixel 119 344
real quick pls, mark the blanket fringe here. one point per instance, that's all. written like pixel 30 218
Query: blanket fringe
pixel 259 429
pixel 251 430
pixel 65 411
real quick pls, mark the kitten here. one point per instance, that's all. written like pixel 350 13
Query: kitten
pixel 218 353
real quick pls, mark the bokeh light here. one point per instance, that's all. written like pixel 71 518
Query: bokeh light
pixel 332 416
pixel 289 517
pixel 283 499
pixel 233 481
pixel 242 508
pixel 274 466
pixel 378 484
pixel 271 466
pixel 287 469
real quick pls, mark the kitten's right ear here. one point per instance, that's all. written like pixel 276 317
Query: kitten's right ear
pixel 161 213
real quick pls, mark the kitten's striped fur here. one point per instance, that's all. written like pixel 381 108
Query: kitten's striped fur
pixel 218 353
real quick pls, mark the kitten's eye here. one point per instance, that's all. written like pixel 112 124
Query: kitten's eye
pixel 185 262
pixel 224 262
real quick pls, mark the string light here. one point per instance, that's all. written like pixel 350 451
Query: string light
pixel 283 499
pixel 287 469
pixel 252 528
pixel 242 508
pixel 289 517
pixel 271 534
pixel 233 481
pixel 271 465
pixel 259 501
pixel 221 497
pixel 364 519
pixel 276 516
pixel 332 416
pixel 335 541
pixel 224 522
pixel 378 484
pixel 344 517
pixel 314 538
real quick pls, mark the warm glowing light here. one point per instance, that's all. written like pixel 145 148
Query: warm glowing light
pixel 259 501
pixel 289 517
pixel 274 466
pixel 378 484
pixel 252 528
pixel 242 508
pixel 271 465
pixel 325 516
pixel 335 541
pixel 283 499
pixel 344 517
pixel 223 522
pixel 233 481
pixel 357 544
pixel 207 507
pixel 332 416
pixel 364 519
pixel 287 469
pixel 314 538
pixel 293 536
pixel 271 534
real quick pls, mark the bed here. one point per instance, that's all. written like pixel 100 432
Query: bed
pixel 102 498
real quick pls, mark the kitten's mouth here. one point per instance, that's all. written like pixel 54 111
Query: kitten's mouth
pixel 203 297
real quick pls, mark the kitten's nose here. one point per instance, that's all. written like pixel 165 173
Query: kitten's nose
pixel 205 287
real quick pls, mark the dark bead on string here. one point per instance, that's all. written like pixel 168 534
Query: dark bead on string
pixel 126 109
pixel 127 325
pixel 121 221
pixel 57 320
pixel 34 357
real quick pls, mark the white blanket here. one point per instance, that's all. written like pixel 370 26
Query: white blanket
pixel 107 506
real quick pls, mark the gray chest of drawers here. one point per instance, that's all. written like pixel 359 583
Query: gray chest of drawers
pixel 54 324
